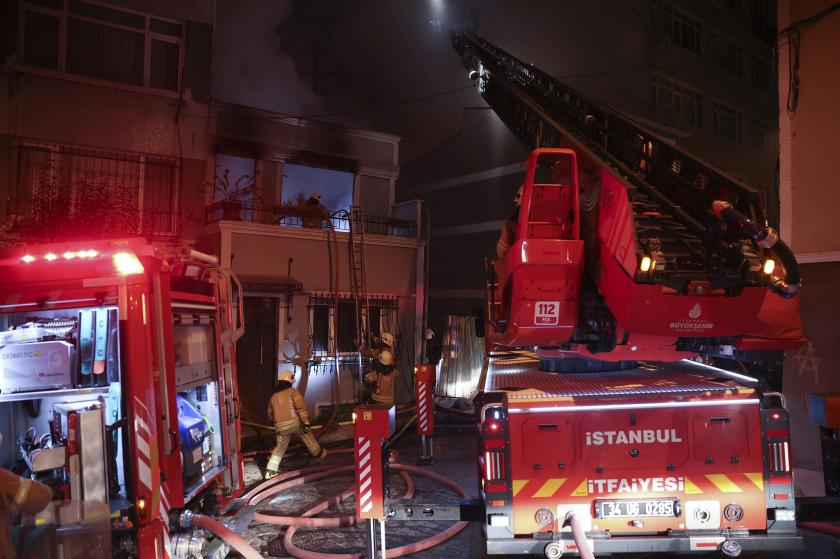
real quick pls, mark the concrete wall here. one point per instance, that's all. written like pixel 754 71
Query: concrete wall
pixel 810 194
pixel 265 251
pixel 468 184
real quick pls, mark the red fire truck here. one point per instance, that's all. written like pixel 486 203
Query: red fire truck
pixel 635 330
pixel 118 381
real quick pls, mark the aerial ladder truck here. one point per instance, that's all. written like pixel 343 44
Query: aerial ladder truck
pixel 635 329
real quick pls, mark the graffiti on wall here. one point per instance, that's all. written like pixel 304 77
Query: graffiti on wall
pixel 807 363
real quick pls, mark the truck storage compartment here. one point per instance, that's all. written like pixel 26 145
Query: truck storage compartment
pixel 61 409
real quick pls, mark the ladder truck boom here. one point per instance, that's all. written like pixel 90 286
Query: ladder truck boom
pixel 683 232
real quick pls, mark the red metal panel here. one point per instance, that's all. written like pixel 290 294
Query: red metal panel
pixel 141 401
pixel 668 465
pixel 374 425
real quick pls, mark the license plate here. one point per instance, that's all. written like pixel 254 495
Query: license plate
pixel 632 509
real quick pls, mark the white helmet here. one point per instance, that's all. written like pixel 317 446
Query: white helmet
pixel 287 375
pixel 386 357
pixel 387 339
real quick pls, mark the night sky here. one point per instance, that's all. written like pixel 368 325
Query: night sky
pixel 389 66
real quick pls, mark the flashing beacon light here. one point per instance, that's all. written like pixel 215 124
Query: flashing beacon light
pixel 127 264
pixel 28 258
pixel 49 257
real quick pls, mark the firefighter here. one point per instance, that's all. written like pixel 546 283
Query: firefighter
pixel 288 412
pixel 314 213
pixel 18 495
pixel 508 234
pixel 382 380
pixel 387 341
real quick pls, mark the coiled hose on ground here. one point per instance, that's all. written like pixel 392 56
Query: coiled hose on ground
pixel 287 480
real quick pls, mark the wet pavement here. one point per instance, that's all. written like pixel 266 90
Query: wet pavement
pixel 455 453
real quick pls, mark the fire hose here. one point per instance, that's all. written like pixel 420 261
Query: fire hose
pixel 766 237
pixel 189 519
pixel 580 536
pixel 287 480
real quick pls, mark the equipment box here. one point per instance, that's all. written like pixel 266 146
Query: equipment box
pixel 33 366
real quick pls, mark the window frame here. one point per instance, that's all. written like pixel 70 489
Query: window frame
pixel 55 153
pixel 388 305
pixel 678 90
pixel 678 21
pixel 64 15
pixel 719 108
pixel 755 124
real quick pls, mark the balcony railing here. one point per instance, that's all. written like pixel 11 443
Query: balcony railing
pixel 294 217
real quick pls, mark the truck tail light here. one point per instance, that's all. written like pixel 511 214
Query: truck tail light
pixel 779 453
pixel 494 465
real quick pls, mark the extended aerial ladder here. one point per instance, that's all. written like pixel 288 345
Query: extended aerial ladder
pixel 672 192
pixel 696 230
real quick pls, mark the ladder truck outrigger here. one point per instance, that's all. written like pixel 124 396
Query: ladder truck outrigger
pixel 118 381
pixel 635 328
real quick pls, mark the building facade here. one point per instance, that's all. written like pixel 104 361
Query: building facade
pixel 109 127
pixel 701 74
pixel 809 38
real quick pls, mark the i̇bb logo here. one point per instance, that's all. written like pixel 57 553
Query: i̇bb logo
pixel 547 313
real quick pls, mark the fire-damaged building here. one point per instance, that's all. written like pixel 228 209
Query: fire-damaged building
pixel 110 123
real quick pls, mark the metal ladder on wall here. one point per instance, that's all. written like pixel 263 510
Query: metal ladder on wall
pixel 358 285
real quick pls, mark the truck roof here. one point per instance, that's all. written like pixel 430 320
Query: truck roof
pixel 518 374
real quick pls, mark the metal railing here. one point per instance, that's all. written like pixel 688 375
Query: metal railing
pixel 294 217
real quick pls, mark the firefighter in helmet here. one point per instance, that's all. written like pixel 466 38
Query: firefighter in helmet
pixel 382 380
pixel 288 412
pixel 387 341
pixel 508 234
pixel 314 213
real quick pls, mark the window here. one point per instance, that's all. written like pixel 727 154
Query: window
pixel 676 104
pixel 728 122
pixel 71 191
pixel 327 332
pixel 760 74
pixel 676 27
pixel 726 54
pixel 335 188
pixel 94 40
pixel 759 134
pixel 763 20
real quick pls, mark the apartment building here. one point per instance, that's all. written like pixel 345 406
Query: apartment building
pixel 109 126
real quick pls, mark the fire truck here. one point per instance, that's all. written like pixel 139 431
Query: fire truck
pixel 118 383
pixel 635 329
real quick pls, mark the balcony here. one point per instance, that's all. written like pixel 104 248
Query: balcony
pixel 303 219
